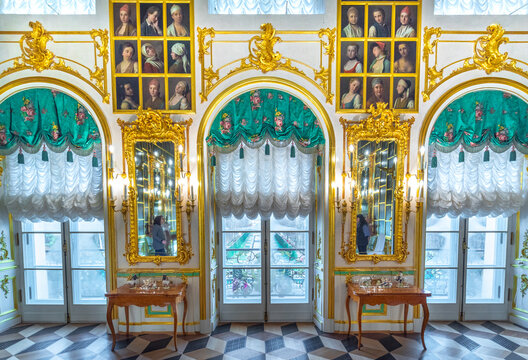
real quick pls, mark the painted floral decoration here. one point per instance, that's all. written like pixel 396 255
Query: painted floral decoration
pixel 279 120
pixel 478 111
pixel 448 135
pixel 80 115
pixel 3 136
pixel 255 99
pixel 502 133
pixel 28 110
pixel 225 124
pixel 54 131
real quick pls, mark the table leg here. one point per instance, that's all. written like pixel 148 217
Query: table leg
pixel 347 303
pixel 175 324
pixel 126 316
pixel 359 313
pixel 425 320
pixel 184 314
pixel 405 312
pixel 110 322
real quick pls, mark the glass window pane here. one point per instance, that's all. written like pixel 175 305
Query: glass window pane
pixel 242 286
pixel 42 250
pixel 289 285
pixel 441 249
pixel 442 285
pixel 244 224
pixel 87 250
pixel 442 224
pixel 485 286
pixel 89 286
pixel 285 224
pixel 289 249
pixel 43 226
pixel 87 226
pixel 241 249
pixel 487 249
pixel 44 287
pixel 488 224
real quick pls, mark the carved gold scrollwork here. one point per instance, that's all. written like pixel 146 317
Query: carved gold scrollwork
pixel 524 250
pixel 33 46
pixel 487 55
pixel 263 56
pixel 524 284
pixel 3 247
pixel 204 48
pixel 3 285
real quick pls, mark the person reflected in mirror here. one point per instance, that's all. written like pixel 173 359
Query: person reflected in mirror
pixel 403 100
pixel 380 27
pixel 179 101
pixel 126 28
pixel 127 65
pixel 403 64
pixel 378 92
pixel 181 62
pixel 380 64
pixel 158 236
pixel 362 234
pixel 353 64
pixel 150 26
pixel 406 29
pixel 128 102
pixel 352 29
pixel 155 101
pixel 177 28
pixel 352 99
pixel 152 64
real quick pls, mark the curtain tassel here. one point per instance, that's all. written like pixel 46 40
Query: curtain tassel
pixel 241 154
pixel 94 160
pixel 319 160
pixel 461 156
pixel 292 151
pixel 69 156
pixel 266 149
pixel 20 157
pixel 513 155
pixel 434 160
pixel 486 155
pixel 213 160
pixel 45 154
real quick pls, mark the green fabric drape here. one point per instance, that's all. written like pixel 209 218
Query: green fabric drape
pixel 32 117
pixel 265 114
pixel 484 118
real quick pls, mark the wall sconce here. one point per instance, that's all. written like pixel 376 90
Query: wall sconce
pixel 117 180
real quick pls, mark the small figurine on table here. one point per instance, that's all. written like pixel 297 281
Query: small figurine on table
pixel 399 279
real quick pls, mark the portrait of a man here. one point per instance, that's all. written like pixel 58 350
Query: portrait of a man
pixel 152 20
pixel 127 93
pixel 379 21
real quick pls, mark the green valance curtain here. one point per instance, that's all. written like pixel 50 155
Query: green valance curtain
pixel 484 118
pixel 32 117
pixel 265 114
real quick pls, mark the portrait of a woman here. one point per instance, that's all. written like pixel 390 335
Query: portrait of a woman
pixel 380 64
pixel 127 64
pixel 352 99
pixel 177 28
pixel 353 29
pixel 179 56
pixel 404 100
pixel 353 64
pixel 152 63
pixel 178 100
pixel 126 28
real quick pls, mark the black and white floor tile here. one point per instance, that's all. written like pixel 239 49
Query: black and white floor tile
pixel 273 341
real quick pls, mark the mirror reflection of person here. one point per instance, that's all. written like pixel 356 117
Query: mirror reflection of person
pixel 177 28
pixel 403 64
pixel 378 92
pixel 127 65
pixel 126 28
pixel 181 62
pixel 403 99
pixel 406 29
pixel 154 101
pixel 353 64
pixel 150 26
pixel 352 29
pixel 379 28
pixel 362 234
pixel 128 102
pixel 158 236
pixel 179 101
pixel 152 64
pixel 352 99
pixel 380 64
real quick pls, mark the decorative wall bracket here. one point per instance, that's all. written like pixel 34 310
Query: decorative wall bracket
pixel 35 55
pixel 487 55
pixel 264 57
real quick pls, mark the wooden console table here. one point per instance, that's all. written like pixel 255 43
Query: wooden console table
pixel 389 296
pixel 126 296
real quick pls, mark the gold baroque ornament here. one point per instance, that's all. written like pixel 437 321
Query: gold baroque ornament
pixel 153 127
pixel 317 290
pixel 382 125
pixel 524 250
pixel 487 55
pixel 263 56
pixel 3 246
pixel 3 285
pixel 34 51
pixel 524 284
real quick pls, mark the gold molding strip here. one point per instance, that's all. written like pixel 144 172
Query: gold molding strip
pixel 262 56
pixel 486 54
pixel 36 56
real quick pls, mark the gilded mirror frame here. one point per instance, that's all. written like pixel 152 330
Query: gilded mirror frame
pixel 152 127
pixel 382 125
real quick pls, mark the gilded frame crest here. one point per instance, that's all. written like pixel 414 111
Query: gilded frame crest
pixel 153 127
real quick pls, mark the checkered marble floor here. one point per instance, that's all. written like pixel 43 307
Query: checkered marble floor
pixel 444 340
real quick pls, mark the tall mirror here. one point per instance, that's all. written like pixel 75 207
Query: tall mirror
pixel 377 148
pixel 153 148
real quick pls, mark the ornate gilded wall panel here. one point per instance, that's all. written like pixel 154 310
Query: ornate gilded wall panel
pixel 378 55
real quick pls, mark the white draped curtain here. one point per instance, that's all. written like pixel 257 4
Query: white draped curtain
pixel 261 184
pixel 48 7
pixel 476 187
pixel 53 190
pixel 269 7
pixel 481 7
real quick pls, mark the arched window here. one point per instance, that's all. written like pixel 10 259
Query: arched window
pixel 266 7
pixel 48 7
pixel 476 7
